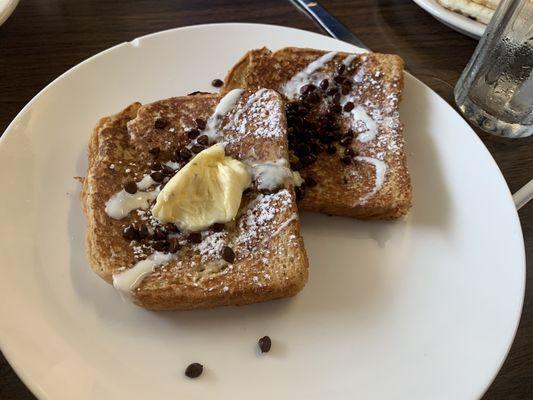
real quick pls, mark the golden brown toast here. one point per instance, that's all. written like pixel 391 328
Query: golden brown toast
pixel 345 136
pixel 269 257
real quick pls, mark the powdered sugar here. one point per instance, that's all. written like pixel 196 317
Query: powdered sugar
pixel 257 223
pixel 212 245
pixel 262 110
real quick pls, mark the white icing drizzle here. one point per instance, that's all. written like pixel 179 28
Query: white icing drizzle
pixel 271 175
pixel 225 105
pixel 370 129
pixel 348 59
pixel 145 182
pixel 292 87
pixel 380 170
pixel 127 280
pixel 282 226
pixel 358 77
pixel 122 203
pixel 172 164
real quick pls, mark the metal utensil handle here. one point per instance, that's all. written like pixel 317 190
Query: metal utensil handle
pixel 329 23
pixel 523 195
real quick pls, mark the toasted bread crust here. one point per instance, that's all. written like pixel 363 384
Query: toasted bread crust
pixel 343 190
pixel 270 260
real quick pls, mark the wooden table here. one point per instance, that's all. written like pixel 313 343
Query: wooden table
pixel 44 38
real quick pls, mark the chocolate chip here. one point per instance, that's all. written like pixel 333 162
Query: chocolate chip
pixel 305 89
pixel 308 159
pixel 194 370
pixel 346 140
pixel 130 187
pixel 195 237
pixel 345 90
pixel 157 176
pixel 217 82
pixel 185 154
pixel 196 148
pixel 346 160
pixel 160 245
pixel 341 68
pixel 155 166
pixel 324 83
pixel 331 149
pixel 195 93
pixel 154 151
pixel 142 231
pixel 203 140
pixel 200 123
pixel 160 233
pixel 171 228
pixel 348 106
pixel 218 227
pixel 313 97
pixel 192 133
pixel 339 79
pixel 336 98
pixel 265 344
pixel 301 149
pixel 349 152
pixel 130 232
pixel 336 108
pixel 160 123
pixel 310 182
pixel 326 139
pixel 331 91
pixel 173 245
pixel 228 255
pixel 165 169
pixel 296 166
pixel 300 192
pixel 314 147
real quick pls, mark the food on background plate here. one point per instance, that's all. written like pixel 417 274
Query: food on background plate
pixel 480 10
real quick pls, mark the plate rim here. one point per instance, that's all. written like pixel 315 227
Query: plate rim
pixel 39 392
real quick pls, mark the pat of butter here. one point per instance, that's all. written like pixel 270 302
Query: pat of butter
pixel 207 190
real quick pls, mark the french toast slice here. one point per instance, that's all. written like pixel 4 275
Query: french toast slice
pixel 345 135
pixel 149 144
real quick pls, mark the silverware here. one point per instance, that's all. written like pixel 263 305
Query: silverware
pixel 328 22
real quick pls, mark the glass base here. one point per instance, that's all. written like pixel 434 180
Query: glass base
pixel 487 122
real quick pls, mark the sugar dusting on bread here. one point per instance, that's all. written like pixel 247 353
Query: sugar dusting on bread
pixel 257 223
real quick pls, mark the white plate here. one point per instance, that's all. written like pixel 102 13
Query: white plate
pixel 422 308
pixel 454 20
pixel 6 8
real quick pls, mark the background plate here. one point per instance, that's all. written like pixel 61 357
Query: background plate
pixel 421 308
pixel 6 8
pixel 454 20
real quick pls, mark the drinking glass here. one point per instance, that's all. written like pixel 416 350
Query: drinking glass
pixel 495 91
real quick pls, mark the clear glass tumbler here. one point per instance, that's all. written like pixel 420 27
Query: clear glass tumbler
pixel 495 91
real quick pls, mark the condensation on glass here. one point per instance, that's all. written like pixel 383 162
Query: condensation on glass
pixel 495 91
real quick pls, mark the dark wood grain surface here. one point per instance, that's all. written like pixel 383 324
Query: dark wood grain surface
pixel 44 38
